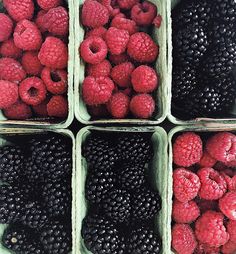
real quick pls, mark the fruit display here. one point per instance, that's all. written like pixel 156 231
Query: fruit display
pixel 33 59
pixel 123 201
pixel 36 195
pixel 204 193
pixel 120 54
pixel 204 59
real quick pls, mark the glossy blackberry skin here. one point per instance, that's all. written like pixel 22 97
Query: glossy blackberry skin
pixel 225 10
pixel 221 32
pixel 56 238
pixel 11 163
pixel 117 205
pixel 101 236
pixel 144 240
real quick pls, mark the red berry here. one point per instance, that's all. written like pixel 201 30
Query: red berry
pixel 53 53
pixel 27 35
pixel 157 21
pixel 222 146
pixel 227 205
pixel 31 63
pixel 99 32
pixel 183 239
pixel 205 249
pixel 144 79
pixel 97 90
pixel 125 24
pixel 231 228
pixel 213 185
pixel 94 14
pixel 127 4
pixel 231 164
pixel 102 69
pixel 142 48
pixel 18 111
pixel 41 109
pixel 6 26
pixel 11 70
pixel 186 184
pixel 187 149
pixel 39 21
pixel 9 93
pixel 210 229
pixel 144 13
pixel 57 106
pixel 93 50
pixel 49 4
pixel 230 181
pixel 9 49
pixel 229 248
pixel 207 160
pixel 32 91
pixel 118 59
pixel 121 74
pixel 142 106
pixel 55 80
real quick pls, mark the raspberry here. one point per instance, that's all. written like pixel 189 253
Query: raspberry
pixel 185 212
pixel 9 49
pixel 157 21
pixel 9 94
pixel 144 13
pixel 127 4
pixel 227 205
pixel 118 59
pixel 222 146
pixel 98 110
pixel 57 106
pixel 56 21
pixel 144 79
pixel 41 109
pixel 39 21
pixel 229 248
pixel 206 205
pixel 6 26
pixel 93 50
pixel 207 160
pixel 97 90
pixel 142 48
pixel 205 249
pixel 94 14
pixel 121 74
pixel 187 149
pixel 19 9
pixel 119 105
pixel 53 53
pixel 31 63
pixel 11 70
pixel 117 40
pixel 18 111
pixel 102 69
pixel 186 184
pixel 27 35
pixel 32 91
pixel 49 4
pixel 213 185
pixel 55 80
pixel 183 239
pixel 99 32
pixel 230 181
pixel 231 228
pixel 142 106
pixel 125 24
pixel 210 229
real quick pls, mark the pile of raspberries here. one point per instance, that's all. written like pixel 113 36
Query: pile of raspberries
pixel 33 59
pixel 119 55
pixel 204 187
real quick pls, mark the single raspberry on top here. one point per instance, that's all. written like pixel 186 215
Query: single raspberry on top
pixel 31 63
pixel 125 24
pixel 186 184
pixel 227 205
pixel 127 4
pixel 183 239
pixel 18 111
pixel 102 69
pixel 207 160
pixel 57 106
pixel 9 94
pixel 98 31
pixel 6 26
pixel 49 4
pixel 9 49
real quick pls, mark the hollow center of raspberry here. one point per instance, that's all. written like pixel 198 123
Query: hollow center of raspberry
pixel 94 49
pixel 33 92
pixel 55 77
pixel 145 9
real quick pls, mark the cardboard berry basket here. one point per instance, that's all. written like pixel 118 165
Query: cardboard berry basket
pixel 159 36
pixel 198 121
pixel 176 131
pixel 158 172
pixel 8 134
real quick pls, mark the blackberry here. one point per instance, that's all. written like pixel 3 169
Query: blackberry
pixel 135 147
pixel 117 205
pixel 221 60
pixel 33 172
pixel 190 45
pixel 11 163
pixel 143 240
pixel 101 236
pixel 145 204
pixel 221 32
pixel 225 10
pixel 57 197
pixel 56 238
pixel 98 184
pixel 99 152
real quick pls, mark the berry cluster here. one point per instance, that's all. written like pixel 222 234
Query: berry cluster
pixel 204 53
pixel 204 187
pixel 33 59
pixel 119 55
pixel 35 196
pixel 122 202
